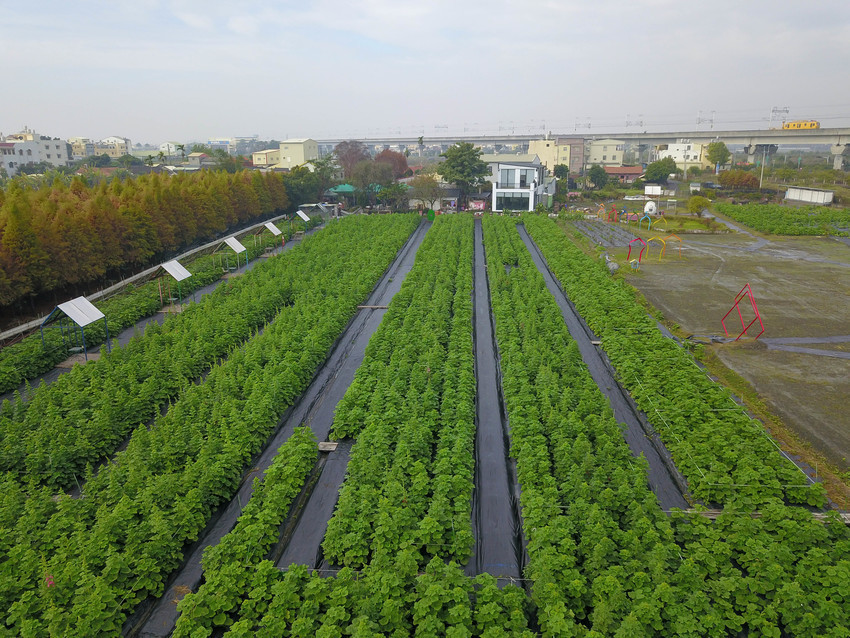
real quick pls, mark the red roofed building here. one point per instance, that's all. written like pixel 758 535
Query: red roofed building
pixel 624 174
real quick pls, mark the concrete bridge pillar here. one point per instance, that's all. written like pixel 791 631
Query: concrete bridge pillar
pixel 838 150
pixel 755 152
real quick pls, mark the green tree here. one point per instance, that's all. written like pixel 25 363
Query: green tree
pixel 126 161
pixel 597 176
pixel 302 185
pixel 325 169
pixel 34 168
pixel 182 149
pixel 562 171
pixel 368 175
pixel 426 187
pixel 718 155
pixel 463 167
pixel 659 172
pixel 395 196
pixel 226 162
pixel 698 204
pixel 100 160
pixel 738 180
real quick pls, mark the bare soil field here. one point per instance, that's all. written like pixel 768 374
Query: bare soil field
pixel 802 288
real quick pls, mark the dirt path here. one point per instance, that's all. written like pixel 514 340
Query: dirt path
pixel 664 479
pixel 799 367
pixel 315 408
pixel 499 543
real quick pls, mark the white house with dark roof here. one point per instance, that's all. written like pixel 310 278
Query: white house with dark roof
pixel 519 182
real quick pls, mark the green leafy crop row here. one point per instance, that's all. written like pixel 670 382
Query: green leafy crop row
pixel 26 360
pixel 229 566
pixel 409 481
pixel 603 558
pixel 79 566
pixel 726 457
pixel 410 407
pixel 784 220
pixel 86 413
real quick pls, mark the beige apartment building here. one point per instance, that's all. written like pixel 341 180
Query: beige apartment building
pixel 270 157
pixel 605 152
pixel 113 146
pixel 686 154
pixel 296 152
pixel 560 150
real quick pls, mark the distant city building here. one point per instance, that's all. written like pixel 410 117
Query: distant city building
pixel 685 154
pixel 114 147
pixel 605 152
pixel 29 147
pixel 624 174
pixel 267 158
pixel 295 152
pixel 170 148
pixel 227 144
pixel 568 151
pixel 200 160
pixel 81 147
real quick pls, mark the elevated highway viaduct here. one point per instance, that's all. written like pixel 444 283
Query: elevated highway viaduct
pixel 755 141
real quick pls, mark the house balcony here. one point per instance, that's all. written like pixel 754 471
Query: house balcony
pixel 505 185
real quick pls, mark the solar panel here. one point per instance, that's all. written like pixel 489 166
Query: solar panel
pixel 302 215
pixel 275 230
pixel 81 310
pixel 235 245
pixel 176 270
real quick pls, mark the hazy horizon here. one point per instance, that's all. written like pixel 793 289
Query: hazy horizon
pixel 155 70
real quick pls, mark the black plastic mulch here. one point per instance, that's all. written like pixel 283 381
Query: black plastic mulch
pixel 315 409
pixel 499 544
pixel 664 479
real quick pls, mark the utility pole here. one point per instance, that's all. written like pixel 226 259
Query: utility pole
pixel 773 111
pixel 638 122
pixel 701 119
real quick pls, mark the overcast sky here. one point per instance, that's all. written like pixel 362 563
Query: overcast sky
pixel 157 70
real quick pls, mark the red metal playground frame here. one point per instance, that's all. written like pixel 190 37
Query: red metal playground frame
pixel 746 291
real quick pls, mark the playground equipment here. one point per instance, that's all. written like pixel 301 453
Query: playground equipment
pixel 613 214
pixel 635 264
pixel 600 211
pixel 640 254
pixel 661 221
pixel 676 237
pixel 747 292
pixel 663 246
pixel 651 208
